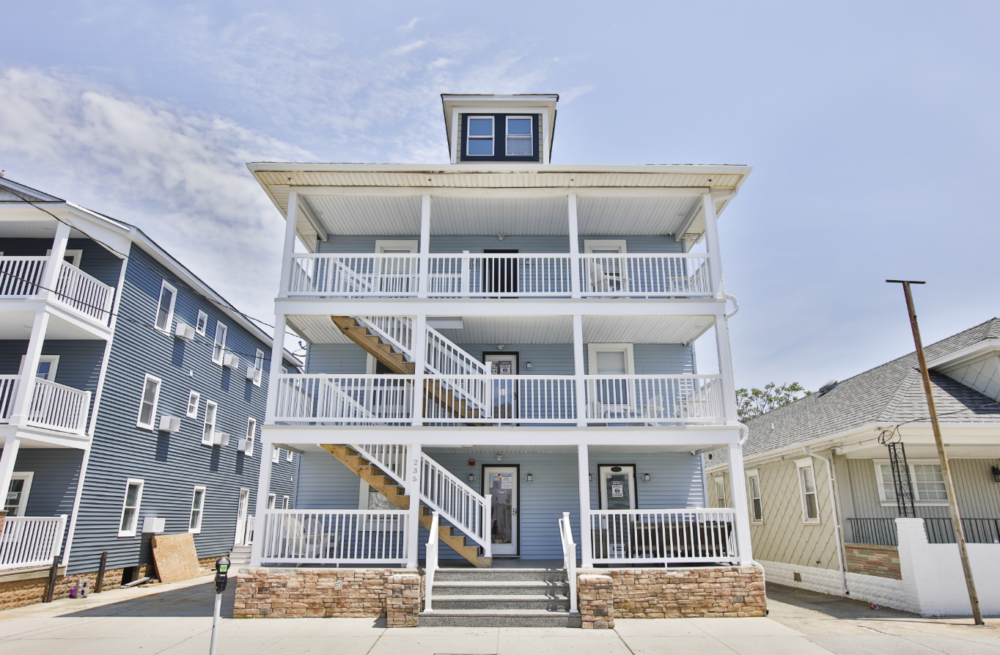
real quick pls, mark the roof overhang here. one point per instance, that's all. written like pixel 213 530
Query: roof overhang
pixel 465 103
pixel 966 355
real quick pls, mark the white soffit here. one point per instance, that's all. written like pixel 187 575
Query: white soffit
pixel 45 228
pixel 645 329
pixel 492 450
pixel 482 216
pixel 364 215
pixel 317 329
pixel 513 329
pixel 633 216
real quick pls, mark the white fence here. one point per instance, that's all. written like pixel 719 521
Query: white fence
pixel 500 275
pixel 58 407
pixel 465 509
pixel 334 537
pixel 655 398
pixel 28 541
pixel 20 276
pixel 84 293
pixel 662 536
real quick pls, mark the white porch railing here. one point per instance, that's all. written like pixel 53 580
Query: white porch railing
pixel 654 399
pixel 334 537
pixel 390 458
pixel 569 559
pixel 500 275
pixel 458 504
pixel 20 276
pixel 58 407
pixel 431 562
pixel 28 541
pixel 345 399
pixel 663 536
pixel 8 390
pixel 500 399
pixel 84 293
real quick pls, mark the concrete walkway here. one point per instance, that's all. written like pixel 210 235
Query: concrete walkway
pixel 177 619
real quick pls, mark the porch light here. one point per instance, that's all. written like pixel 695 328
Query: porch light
pixel 527 365
pixel 591 476
pixel 530 478
pixel 472 477
pixel 996 474
pixel 645 477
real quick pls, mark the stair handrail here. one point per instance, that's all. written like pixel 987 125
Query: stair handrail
pixel 454 364
pixel 381 326
pixel 350 402
pixel 569 559
pixel 431 562
pixel 461 506
pixel 372 452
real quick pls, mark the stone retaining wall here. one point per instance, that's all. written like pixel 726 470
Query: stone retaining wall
pixel 597 608
pixel 321 593
pixel 872 559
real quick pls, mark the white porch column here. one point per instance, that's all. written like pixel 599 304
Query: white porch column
pixel 50 276
pixel 7 460
pixel 578 371
pixel 419 349
pixel 712 236
pixel 738 487
pixel 277 357
pixel 29 370
pixel 413 513
pixel 260 511
pixel 583 473
pixel 726 368
pixel 288 249
pixel 425 245
pixel 574 248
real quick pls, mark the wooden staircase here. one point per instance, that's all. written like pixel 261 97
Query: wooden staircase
pixel 396 362
pixel 397 496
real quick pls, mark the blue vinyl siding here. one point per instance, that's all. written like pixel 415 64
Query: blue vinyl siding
pixel 170 464
pixel 79 362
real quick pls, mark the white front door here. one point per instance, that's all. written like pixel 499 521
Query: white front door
pixel 504 391
pixel 241 518
pixel 617 487
pixel 501 483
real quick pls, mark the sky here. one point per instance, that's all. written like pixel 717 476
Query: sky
pixel 872 128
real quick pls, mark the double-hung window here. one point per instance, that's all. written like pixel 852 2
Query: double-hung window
pixel 202 323
pixel 289 456
pixel 258 366
pixel 197 509
pixel 270 500
pixel 756 504
pixel 219 349
pixel 251 436
pixel 807 489
pixel 208 431
pixel 150 399
pixel 194 398
pixel 275 454
pixel 130 508
pixel 519 141
pixel 165 310
pixel 926 479
pixel 481 137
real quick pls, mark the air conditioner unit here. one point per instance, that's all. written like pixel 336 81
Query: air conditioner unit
pixel 169 424
pixel 184 331
pixel 253 373
pixel 153 524
pixel 220 439
pixel 229 360
pixel 242 447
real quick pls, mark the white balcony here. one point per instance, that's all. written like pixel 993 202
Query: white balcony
pixel 476 276
pixel 52 406
pixel 29 541
pixel 21 279
pixel 350 537
pixel 499 400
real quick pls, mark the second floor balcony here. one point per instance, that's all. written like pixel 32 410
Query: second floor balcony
pixel 22 278
pixel 50 405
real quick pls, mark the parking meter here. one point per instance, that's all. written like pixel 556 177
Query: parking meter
pixel 221 574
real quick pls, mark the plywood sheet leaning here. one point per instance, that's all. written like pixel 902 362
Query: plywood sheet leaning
pixel 175 556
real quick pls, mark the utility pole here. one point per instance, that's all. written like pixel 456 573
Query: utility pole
pixel 956 519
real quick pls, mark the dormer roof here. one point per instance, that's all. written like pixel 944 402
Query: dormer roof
pixel 543 104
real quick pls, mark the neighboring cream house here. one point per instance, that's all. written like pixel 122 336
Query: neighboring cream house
pixel 824 507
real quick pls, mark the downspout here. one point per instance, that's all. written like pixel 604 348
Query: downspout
pixel 831 479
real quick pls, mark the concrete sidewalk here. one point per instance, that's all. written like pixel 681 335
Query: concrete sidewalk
pixel 177 619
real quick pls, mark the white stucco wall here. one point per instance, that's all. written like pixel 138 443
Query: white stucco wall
pixel 868 588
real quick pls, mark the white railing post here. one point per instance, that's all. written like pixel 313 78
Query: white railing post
pixel 413 474
pixel 418 350
pixel 7 459
pixel 465 275
pixel 738 486
pixel 431 563
pixel 574 248
pixel 29 370
pixel 569 559
pixel 578 371
pixel 56 257
pixel 425 245
pixel 277 357
pixel 488 526
pixel 57 537
pixel 263 488
pixel 712 238
pixel 288 249
pixel 583 475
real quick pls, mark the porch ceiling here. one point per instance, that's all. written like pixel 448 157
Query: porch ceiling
pixel 514 450
pixel 539 329
pixel 15 325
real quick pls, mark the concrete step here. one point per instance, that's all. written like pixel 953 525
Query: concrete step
pixel 499 619
pixel 486 576
pixel 500 588
pixel 501 602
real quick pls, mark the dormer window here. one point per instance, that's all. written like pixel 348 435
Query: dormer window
pixel 519 136
pixel 481 136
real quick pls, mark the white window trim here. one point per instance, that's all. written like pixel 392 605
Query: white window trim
pixel 201 510
pixel 197 404
pixel 27 476
pixel 382 245
pixel 77 255
pixel 251 436
pixel 753 473
pixel 594 348
pixel 51 359
pixel 204 327
pixel 222 346
pixel 138 504
pixel 285 502
pixel 272 499
pixel 156 402
pixel 170 312
pixel 259 370
pixel 530 137
pixel 469 138
pixel 275 454
pixel 215 423
pixel 605 244
pixel 720 486
pixel 289 455
pixel 913 476
pixel 799 465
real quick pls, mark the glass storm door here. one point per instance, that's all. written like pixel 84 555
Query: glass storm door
pixel 241 517
pixel 501 483
pixel 617 487
pixel 504 391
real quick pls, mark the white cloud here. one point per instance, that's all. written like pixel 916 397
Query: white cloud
pixel 441 62
pixel 406 27
pixel 179 176
pixel 409 47
pixel 574 93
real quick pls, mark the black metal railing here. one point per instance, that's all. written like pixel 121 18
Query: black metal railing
pixel 939 531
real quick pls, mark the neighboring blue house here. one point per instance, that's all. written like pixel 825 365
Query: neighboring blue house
pixel 145 414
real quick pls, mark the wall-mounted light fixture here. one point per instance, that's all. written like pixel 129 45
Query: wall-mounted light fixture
pixel 530 478
pixel 527 365
pixel 591 476
pixel 996 473
pixel 472 477
pixel 499 457
pixel 499 346
pixel 645 477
